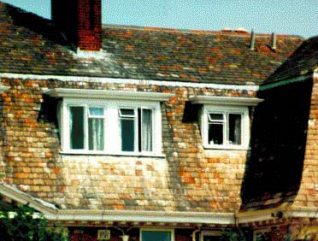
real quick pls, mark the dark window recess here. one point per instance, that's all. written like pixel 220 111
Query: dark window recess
pixel 211 238
pixel 77 127
pixel 216 123
pixel 216 134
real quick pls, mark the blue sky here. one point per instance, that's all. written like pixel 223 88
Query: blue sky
pixel 298 17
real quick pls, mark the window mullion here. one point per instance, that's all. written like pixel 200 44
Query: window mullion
pixel 226 128
pixel 86 117
pixel 137 121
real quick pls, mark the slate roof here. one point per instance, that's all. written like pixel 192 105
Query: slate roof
pixel 30 44
pixel 302 62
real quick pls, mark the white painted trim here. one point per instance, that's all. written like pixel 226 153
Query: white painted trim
pixel 105 80
pixel 245 124
pixel 108 94
pixel 256 216
pixel 315 75
pixel 225 100
pixel 143 216
pixel 113 141
pixel 284 82
pixel 303 213
pixel 21 197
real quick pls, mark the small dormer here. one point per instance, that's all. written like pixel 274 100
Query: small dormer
pixel 80 21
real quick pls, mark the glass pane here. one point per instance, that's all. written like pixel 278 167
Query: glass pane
pixel 156 236
pixel 96 111
pixel 215 117
pixel 215 134
pixel 77 127
pixel 127 134
pixel 211 238
pixel 127 112
pixel 96 134
pixel 235 129
pixel 146 130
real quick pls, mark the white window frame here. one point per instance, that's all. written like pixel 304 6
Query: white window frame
pixel 157 229
pixel 225 110
pixel 112 141
pixel 210 233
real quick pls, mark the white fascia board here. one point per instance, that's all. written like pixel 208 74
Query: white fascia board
pixel 255 216
pixel 142 216
pixel 315 73
pixel 108 94
pixel 23 198
pixel 105 80
pixel 225 100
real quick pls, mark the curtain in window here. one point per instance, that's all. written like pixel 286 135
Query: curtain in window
pixel 96 129
pixel 96 134
pixel 235 129
pixel 146 130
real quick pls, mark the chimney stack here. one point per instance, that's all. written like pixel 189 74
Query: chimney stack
pixel 80 21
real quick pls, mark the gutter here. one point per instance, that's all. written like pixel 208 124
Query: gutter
pixel 286 82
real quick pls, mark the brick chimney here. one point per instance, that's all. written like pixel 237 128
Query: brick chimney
pixel 80 21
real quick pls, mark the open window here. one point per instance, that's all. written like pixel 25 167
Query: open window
pixel 119 127
pixel 224 120
pixel 110 121
pixel 225 127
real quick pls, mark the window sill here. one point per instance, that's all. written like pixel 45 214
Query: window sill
pixel 143 155
pixel 226 148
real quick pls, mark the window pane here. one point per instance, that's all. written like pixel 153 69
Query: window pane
pixel 126 112
pixel 96 111
pixel 77 127
pixel 215 136
pixel 235 129
pixel 96 134
pixel 156 236
pixel 215 117
pixel 127 134
pixel 146 130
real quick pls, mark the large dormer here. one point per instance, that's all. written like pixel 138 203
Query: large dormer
pixel 80 21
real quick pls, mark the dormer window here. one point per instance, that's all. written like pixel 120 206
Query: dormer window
pixel 110 122
pixel 225 121
pixel 225 127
